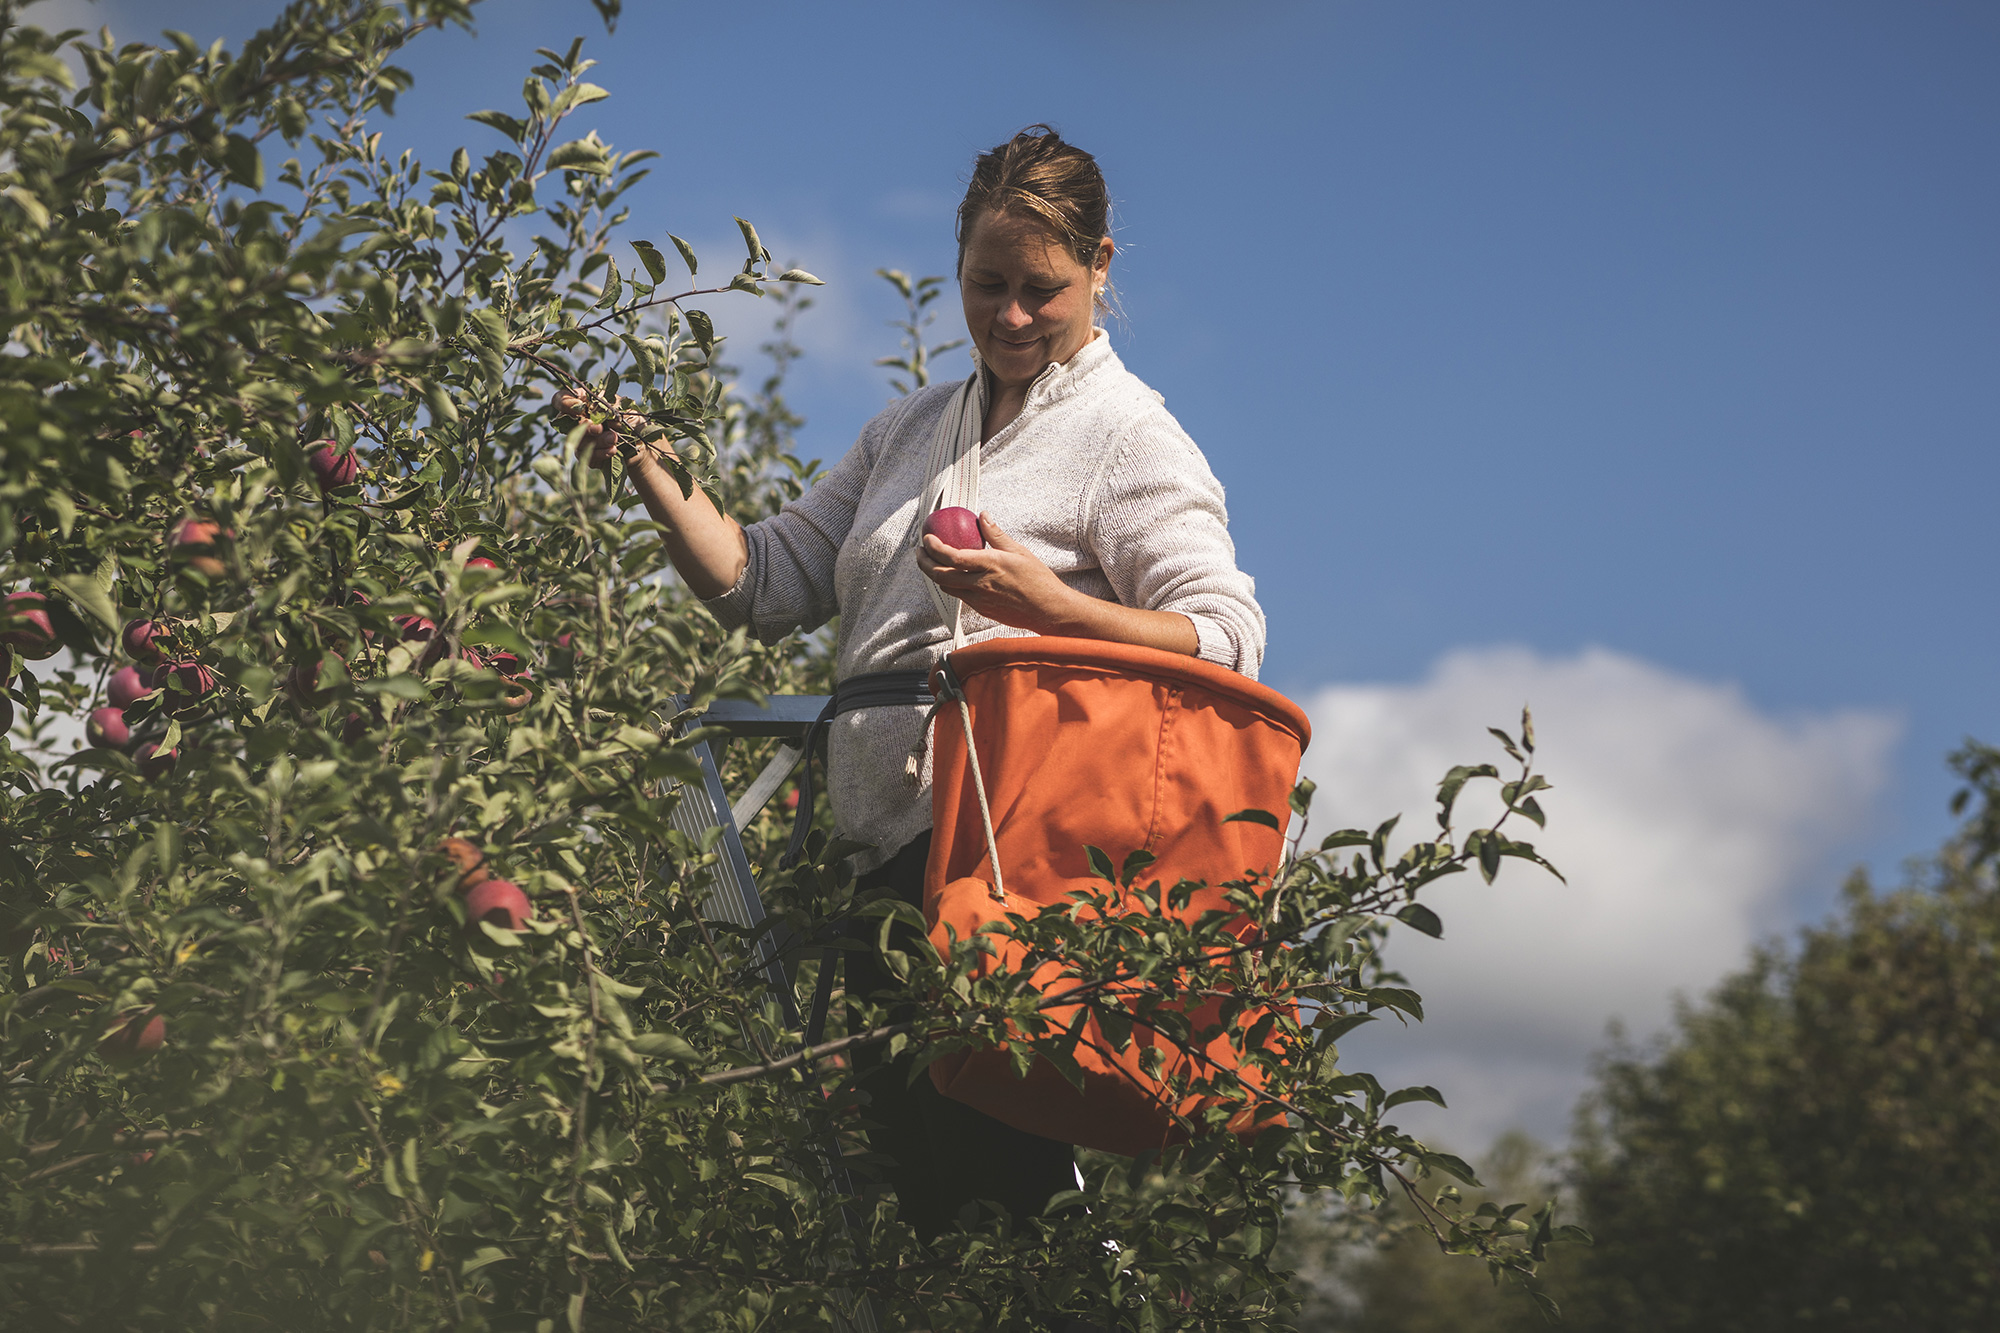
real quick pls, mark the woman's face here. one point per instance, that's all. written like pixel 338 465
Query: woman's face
pixel 1028 303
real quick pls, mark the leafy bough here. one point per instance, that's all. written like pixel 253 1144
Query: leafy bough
pixel 1289 968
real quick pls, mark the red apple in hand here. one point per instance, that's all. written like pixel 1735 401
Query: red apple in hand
pixel 138 1037
pixel 956 527
pixel 333 467
pixel 499 902
pixel 25 626
pixel 126 687
pixel 106 729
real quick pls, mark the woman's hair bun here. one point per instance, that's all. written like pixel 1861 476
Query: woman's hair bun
pixel 1039 174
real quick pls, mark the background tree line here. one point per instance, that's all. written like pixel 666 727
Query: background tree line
pixel 1814 1145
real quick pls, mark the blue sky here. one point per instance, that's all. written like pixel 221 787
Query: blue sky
pixel 1668 330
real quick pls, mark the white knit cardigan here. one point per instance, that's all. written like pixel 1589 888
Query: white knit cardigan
pixel 1094 477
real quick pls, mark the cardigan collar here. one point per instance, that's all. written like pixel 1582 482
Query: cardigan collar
pixel 1061 379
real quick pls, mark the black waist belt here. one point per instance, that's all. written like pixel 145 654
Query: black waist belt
pixel 873 689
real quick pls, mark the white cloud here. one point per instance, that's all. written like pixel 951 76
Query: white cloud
pixel 1683 818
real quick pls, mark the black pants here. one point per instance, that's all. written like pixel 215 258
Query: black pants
pixel 945 1156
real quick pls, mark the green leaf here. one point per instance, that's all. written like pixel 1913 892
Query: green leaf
pixel 1302 796
pixel 1489 856
pixel 649 255
pixel 481 1257
pixel 1333 1027
pixel 1421 918
pixel 1417 1094
pixel 31 207
pixel 1264 817
pixel 243 162
pixel 1100 864
pixel 665 1046
pixel 1136 862
pixel 86 591
pixel 511 126
pixel 703 330
pixel 687 252
pixel 1396 997
pixel 500 636
pixel 756 247
pixel 800 275
pixel 583 155
pixel 1451 1166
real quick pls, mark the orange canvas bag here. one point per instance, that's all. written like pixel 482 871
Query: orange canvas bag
pixel 1083 742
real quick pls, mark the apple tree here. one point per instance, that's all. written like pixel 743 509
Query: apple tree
pixel 355 972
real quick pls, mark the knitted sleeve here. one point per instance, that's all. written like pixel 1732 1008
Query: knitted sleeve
pixel 1157 526
pixel 788 582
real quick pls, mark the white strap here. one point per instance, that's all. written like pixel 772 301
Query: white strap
pixel 954 480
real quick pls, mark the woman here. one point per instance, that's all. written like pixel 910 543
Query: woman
pixel 1101 518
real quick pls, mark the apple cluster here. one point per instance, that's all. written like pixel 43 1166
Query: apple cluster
pixel 165 682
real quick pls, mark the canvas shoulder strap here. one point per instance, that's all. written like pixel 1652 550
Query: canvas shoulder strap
pixel 954 481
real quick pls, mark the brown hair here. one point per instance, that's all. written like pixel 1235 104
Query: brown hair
pixel 1037 174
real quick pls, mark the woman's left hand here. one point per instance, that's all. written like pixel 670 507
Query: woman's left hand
pixel 1004 582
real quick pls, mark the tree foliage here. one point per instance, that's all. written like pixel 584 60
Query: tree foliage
pixel 1385 1272
pixel 275 403
pixel 1819 1144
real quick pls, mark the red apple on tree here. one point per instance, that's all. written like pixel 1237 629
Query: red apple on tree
pixel 507 663
pixel 185 684
pixel 956 527
pixel 126 687
pixel 152 763
pixel 471 862
pixel 498 902
pixel 141 639
pixel 106 729
pixel 193 540
pixel 25 627
pixel 139 1036
pixel 302 683
pixel 516 693
pixel 481 562
pixel 333 467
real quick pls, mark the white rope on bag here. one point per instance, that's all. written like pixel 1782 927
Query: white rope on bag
pixel 954 481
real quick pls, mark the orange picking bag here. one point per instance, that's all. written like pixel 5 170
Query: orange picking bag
pixel 1120 747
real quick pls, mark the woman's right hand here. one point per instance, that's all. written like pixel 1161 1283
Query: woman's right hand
pixel 602 437
pixel 708 548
